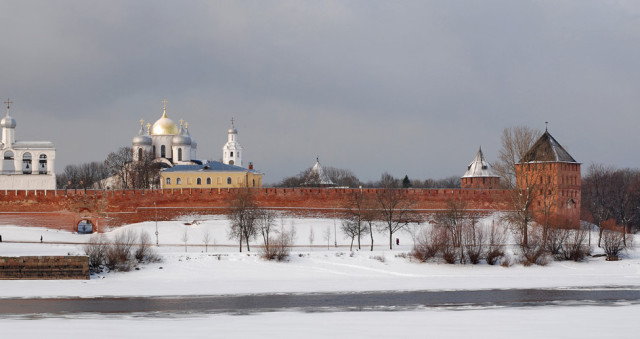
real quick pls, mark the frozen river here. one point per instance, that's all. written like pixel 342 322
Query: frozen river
pixel 311 302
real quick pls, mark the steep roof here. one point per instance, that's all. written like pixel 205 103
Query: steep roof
pixel 547 149
pixel 318 171
pixel 479 167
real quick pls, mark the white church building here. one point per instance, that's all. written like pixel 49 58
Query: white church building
pixel 172 144
pixel 26 165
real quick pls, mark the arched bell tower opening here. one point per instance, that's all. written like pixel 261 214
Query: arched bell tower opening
pixel 8 166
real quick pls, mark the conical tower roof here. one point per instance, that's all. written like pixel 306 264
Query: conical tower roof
pixel 479 167
pixel 547 149
pixel 318 172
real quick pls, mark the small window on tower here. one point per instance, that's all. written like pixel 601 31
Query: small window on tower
pixel 231 153
pixel 229 180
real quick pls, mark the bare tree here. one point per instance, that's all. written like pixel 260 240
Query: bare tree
pixel 145 172
pixel 342 177
pixel 369 215
pixel 609 193
pixel 395 208
pixel 312 237
pixel 243 213
pixel 351 228
pixel 185 238
pixel 454 218
pixel 327 236
pixel 357 208
pixel 497 239
pixel 87 175
pixel 118 164
pixel 266 225
pixel 206 239
pixel 473 241
pixel 516 141
pixel 414 230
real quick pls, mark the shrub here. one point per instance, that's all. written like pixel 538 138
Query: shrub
pixel 279 246
pixel 96 250
pixel 428 243
pixel 556 237
pixel 495 252
pixel 119 254
pixel 144 246
pixel 534 252
pixel 613 241
pixel 474 248
pixel 574 247
pixel 447 248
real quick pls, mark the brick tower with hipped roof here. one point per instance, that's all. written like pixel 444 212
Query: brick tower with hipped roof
pixel 552 176
pixel 479 174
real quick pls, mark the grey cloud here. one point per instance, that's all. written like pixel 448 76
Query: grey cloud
pixel 410 87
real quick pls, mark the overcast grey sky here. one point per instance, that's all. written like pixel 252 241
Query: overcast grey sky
pixel 408 87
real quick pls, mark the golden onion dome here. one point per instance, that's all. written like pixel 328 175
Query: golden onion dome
pixel 164 126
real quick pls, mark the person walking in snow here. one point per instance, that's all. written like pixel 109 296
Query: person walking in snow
pixel 41 239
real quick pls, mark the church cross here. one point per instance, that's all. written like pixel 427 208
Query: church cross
pixel 141 122
pixel 232 122
pixel 8 102
pixel 181 122
pixel 546 126
pixel 164 103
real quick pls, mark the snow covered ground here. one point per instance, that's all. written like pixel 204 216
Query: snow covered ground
pixel 496 323
pixel 223 270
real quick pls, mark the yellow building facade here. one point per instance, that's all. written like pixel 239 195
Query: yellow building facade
pixel 209 175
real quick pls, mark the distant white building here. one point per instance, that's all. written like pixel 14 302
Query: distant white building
pixel 232 151
pixel 26 165
pixel 170 144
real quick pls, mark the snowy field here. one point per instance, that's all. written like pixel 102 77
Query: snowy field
pixel 223 270
pixel 539 322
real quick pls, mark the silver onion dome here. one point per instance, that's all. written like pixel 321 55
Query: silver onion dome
pixel 8 122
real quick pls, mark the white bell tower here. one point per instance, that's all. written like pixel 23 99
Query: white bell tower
pixel 232 151
pixel 8 128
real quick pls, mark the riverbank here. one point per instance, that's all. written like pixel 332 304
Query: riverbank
pixel 220 269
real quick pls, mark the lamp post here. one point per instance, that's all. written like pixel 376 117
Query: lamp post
pixel 155 209
pixel 335 234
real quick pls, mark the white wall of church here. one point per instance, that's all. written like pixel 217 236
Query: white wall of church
pixel 163 140
pixel 28 182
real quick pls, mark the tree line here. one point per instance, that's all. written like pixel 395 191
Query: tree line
pixel 346 178
pixel 117 171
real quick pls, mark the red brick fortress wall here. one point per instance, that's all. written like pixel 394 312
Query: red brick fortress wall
pixel 63 209
pixel 44 267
